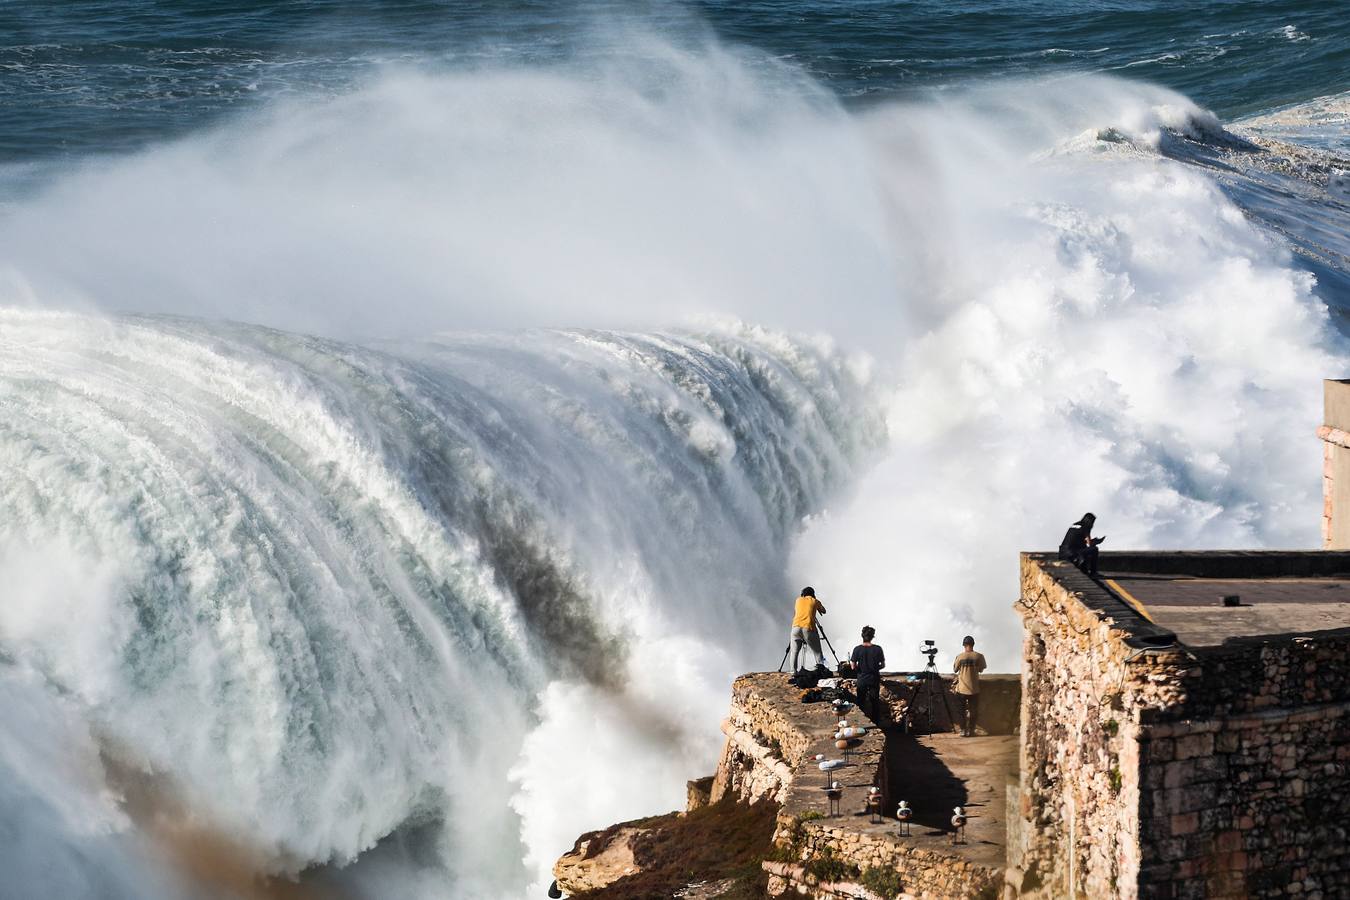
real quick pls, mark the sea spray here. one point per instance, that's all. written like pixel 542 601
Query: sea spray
pixel 1109 333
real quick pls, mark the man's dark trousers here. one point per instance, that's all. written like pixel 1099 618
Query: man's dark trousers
pixel 869 699
pixel 970 710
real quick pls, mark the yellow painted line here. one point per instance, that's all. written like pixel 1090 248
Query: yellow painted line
pixel 1130 599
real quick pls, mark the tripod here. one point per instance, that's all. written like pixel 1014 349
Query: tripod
pixel 926 695
pixel 826 638
pixel 823 636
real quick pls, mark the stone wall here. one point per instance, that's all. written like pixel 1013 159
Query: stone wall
pixel 1252 800
pixel 763 745
pixel 1000 701
pixel 1154 770
pixel 922 872
pixel 1081 701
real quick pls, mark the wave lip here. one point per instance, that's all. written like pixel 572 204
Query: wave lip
pixel 324 584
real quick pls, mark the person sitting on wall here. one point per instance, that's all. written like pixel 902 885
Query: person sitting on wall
pixel 1079 546
pixel 969 665
pixel 804 627
pixel 868 660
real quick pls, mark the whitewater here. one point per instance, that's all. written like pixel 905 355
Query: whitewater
pixel 393 482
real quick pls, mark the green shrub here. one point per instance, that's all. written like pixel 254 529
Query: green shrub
pixel 811 815
pixel 882 881
pixel 827 868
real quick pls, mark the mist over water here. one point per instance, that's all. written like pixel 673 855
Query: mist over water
pixel 616 196
pixel 557 379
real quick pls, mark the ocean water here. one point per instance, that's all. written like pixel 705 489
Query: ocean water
pixel 413 415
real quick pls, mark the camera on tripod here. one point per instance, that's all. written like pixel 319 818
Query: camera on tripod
pixel 929 695
pixel 930 650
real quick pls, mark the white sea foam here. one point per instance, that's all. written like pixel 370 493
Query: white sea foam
pixel 494 586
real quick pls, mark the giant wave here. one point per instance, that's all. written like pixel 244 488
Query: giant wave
pixel 320 587
pixel 405 616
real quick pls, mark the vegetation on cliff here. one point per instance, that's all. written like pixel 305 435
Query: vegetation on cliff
pixel 726 840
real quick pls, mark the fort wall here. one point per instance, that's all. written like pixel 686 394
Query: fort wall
pixel 1157 767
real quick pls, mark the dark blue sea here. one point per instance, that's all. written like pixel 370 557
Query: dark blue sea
pixel 100 77
pixel 414 415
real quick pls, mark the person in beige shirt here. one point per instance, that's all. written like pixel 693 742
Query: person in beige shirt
pixel 968 667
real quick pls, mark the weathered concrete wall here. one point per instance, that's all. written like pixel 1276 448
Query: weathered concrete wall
pixel 1335 488
pixel 1336 403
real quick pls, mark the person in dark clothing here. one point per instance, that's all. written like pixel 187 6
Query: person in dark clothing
pixel 868 660
pixel 1079 546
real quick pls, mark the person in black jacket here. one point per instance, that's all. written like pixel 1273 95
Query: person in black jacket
pixel 1079 546
pixel 868 660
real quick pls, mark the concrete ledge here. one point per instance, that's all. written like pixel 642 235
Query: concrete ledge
pixel 1226 563
pixel 1137 631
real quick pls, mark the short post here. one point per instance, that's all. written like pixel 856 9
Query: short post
pixel 904 814
pixel 833 793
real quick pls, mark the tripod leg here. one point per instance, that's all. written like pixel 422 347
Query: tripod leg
pixel 946 701
pixel 783 661
pixel 821 629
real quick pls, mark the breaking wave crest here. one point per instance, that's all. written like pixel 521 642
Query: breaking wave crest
pixel 321 586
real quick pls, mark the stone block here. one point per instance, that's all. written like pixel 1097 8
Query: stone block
pixel 1194 745
pixel 1184 823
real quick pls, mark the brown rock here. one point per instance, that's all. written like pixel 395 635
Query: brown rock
pixel 598 859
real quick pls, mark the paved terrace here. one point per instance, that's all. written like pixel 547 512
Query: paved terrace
pixel 1164 596
pixel 932 772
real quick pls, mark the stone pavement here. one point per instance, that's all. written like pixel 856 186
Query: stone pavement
pixel 1191 607
pixel 937 772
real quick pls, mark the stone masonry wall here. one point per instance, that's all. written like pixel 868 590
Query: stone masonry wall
pixel 763 747
pixel 1083 691
pixel 1155 770
pixel 764 707
pixel 1244 788
pixel 926 874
